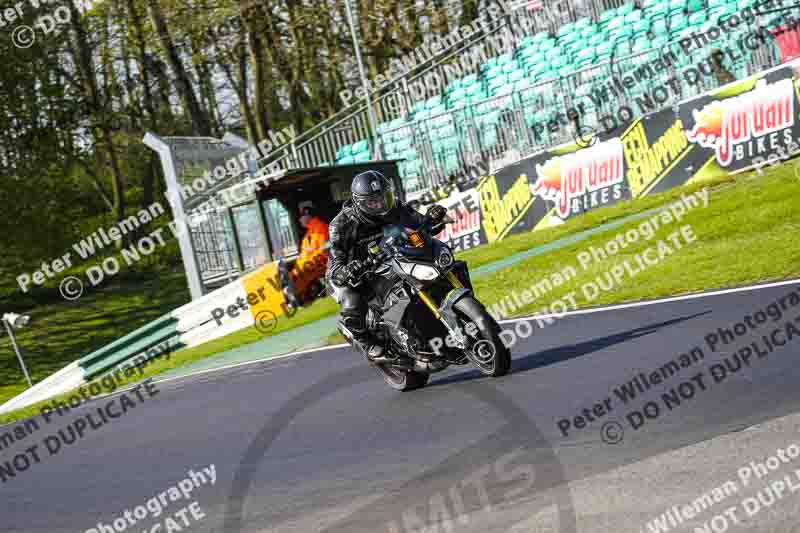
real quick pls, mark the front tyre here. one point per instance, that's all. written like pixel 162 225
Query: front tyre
pixel 489 353
pixel 403 380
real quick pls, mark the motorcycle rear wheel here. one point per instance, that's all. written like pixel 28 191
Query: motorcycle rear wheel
pixel 403 380
pixel 489 354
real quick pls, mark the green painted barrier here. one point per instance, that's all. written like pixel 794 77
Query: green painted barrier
pixel 166 321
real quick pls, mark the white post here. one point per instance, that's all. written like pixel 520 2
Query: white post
pixel 10 330
pixel 372 122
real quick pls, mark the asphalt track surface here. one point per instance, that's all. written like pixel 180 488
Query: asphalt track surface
pixel 317 441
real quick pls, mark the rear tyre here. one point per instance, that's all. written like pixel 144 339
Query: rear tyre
pixel 489 354
pixel 403 380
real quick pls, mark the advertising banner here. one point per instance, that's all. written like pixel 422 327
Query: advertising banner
pixel 731 129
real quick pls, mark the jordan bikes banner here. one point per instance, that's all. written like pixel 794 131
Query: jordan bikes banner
pixel 729 130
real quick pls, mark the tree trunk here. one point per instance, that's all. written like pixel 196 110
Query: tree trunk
pixel 185 89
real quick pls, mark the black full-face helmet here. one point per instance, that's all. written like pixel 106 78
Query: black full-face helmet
pixel 373 194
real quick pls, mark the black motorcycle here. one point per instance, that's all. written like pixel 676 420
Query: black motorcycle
pixel 422 306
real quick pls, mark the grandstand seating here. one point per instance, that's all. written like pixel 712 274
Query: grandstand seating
pixel 547 70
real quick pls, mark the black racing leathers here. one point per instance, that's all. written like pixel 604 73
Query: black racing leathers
pixel 350 236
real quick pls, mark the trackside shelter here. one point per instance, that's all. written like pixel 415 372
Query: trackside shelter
pixel 243 222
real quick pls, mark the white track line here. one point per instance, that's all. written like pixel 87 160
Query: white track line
pixel 654 302
pixel 518 319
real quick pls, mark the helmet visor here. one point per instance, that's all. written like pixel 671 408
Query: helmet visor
pixel 377 204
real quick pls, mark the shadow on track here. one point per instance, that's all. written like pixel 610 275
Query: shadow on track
pixel 532 361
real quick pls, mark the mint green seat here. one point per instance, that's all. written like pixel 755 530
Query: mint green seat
pixel 533 57
pixel 492 62
pixel 622 47
pixel 474 88
pixel 412 167
pixel 489 138
pixel 422 115
pixel 697 19
pixel 640 46
pixel 658 26
pixel 360 147
pixel 516 75
pixel 633 16
pixel 469 80
pixel 624 9
pixel 363 157
pixel 347 160
pixel 607 15
pixel 597 39
pixel 403 144
pixel 410 153
pixel 677 6
pixel 494 72
pixel 604 48
pixel 523 85
pixel 438 110
pixel 496 82
pixel 565 29
pixel 458 94
pixel 559 62
pixel 566 70
pixel 677 23
pixel 553 54
pixel 621 34
pixel 549 44
pixel 511 66
pixel 582 23
pixel 452 86
pixel 653 10
pixel 586 53
pixel 344 151
pixel 504 58
pixel 433 102
pixel 616 22
pixel 695 6
pixel 641 26
pixel 541 36
pixel 589 31
pixel 726 11
pixel 503 90
pixel 489 119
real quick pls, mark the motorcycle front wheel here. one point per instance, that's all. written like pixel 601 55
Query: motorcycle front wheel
pixel 489 353
pixel 403 380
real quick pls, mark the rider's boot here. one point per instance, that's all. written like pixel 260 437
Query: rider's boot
pixel 373 348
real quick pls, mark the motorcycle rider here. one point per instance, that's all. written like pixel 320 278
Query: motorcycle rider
pixel 373 205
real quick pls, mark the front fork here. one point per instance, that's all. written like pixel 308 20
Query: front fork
pixel 445 312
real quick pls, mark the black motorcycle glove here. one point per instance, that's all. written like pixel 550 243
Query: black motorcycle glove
pixel 354 270
pixel 437 213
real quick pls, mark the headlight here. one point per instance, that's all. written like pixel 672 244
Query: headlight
pixel 425 273
pixel 420 272
pixel 445 259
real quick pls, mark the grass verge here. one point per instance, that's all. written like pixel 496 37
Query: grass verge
pixel 746 235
